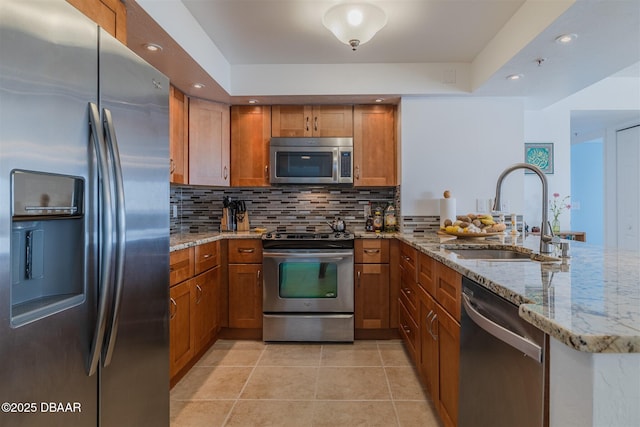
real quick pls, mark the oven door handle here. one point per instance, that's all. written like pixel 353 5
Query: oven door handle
pixel 325 256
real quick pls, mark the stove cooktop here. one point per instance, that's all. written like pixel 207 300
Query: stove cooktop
pixel 295 235
pixel 307 240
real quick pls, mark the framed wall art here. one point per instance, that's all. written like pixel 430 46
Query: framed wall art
pixel 539 154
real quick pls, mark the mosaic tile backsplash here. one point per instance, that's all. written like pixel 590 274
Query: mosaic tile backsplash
pixel 304 208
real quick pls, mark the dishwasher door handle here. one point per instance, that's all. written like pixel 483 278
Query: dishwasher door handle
pixel 516 341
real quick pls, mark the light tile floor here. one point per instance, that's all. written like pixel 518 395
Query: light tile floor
pixel 250 383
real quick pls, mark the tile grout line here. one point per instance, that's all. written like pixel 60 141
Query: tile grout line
pixel 386 377
pixel 235 402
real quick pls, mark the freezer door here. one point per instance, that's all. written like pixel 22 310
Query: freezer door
pixel 47 77
pixel 134 102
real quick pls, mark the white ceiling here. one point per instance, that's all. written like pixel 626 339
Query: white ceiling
pixel 482 41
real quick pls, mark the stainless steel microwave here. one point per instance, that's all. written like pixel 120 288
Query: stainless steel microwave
pixel 311 161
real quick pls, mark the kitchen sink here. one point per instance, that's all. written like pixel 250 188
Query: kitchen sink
pixel 500 255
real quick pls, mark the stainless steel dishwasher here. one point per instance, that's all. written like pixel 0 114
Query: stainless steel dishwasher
pixel 503 379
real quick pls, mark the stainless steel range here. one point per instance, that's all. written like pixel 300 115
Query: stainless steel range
pixel 308 286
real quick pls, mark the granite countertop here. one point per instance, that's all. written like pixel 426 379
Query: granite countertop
pixel 590 302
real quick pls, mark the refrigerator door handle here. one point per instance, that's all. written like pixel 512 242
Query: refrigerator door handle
pixel 106 239
pixel 114 157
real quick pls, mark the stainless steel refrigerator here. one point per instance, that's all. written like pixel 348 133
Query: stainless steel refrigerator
pixel 84 224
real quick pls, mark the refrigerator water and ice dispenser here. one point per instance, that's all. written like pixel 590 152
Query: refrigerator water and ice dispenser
pixel 47 245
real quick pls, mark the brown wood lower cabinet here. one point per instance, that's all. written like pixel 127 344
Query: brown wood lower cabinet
pixel 181 348
pixel 194 311
pixel 429 313
pixel 205 300
pixel 372 296
pixel 245 283
pixel 245 295
pixel 371 276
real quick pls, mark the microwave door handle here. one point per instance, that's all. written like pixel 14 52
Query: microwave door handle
pixel 336 162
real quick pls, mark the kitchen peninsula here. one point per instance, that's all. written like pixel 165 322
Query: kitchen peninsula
pixel 589 305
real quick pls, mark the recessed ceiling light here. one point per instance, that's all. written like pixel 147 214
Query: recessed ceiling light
pixel 566 38
pixel 380 100
pixel 198 85
pixel 152 47
pixel 514 76
pixel 253 101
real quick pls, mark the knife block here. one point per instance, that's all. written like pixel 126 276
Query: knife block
pixel 242 221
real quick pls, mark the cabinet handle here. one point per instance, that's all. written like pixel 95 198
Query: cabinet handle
pixel 315 123
pixel 172 166
pixel 175 308
pixel 434 336
pixel 199 294
pixel 246 250
pixel 357 172
pixel 266 172
pixel 372 251
pixel 225 173
pixel 258 276
pixel 307 123
pixel 406 329
pixel 406 291
pixel 359 274
pixel 205 256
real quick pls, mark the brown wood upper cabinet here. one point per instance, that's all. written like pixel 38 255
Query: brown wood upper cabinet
pixel 317 120
pixel 374 146
pixel 178 136
pixel 250 134
pixel 209 143
pixel 109 14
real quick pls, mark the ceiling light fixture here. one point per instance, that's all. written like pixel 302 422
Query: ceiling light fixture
pixel 152 47
pixel 566 38
pixel 354 24
pixel 198 85
pixel 253 101
pixel 379 100
pixel 514 76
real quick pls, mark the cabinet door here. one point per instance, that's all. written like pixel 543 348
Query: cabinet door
pixel 250 134
pixel 408 330
pixel 245 295
pixel 205 301
pixel 449 290
pixel 374 145
pixel 178 137
pixel 449 367
pixel 181 265
pixel 109 14
pixel 319 120
pixel 291 120
pixel 428 364
pixel 209 135
pixel 332 120
pixel 181 348
pixel 372 296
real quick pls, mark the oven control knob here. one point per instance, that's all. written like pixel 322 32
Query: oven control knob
pixel 337 235
pixel 277 235
pixel 268 235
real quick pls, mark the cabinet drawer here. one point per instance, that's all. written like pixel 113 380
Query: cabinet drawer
pixel 245 251
pixel 408 260
pixel 408 330
pixel 449 290
pixel 181 266
pixel 207 256
pixel 427 273
pixel 371 251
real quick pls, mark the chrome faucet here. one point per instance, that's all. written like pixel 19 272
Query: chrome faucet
pixel 546 235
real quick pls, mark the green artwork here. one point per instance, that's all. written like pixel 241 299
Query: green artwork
pixel 540 155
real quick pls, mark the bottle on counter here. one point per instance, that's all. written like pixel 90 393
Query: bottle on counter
pixel 390 223
pixel 378 220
